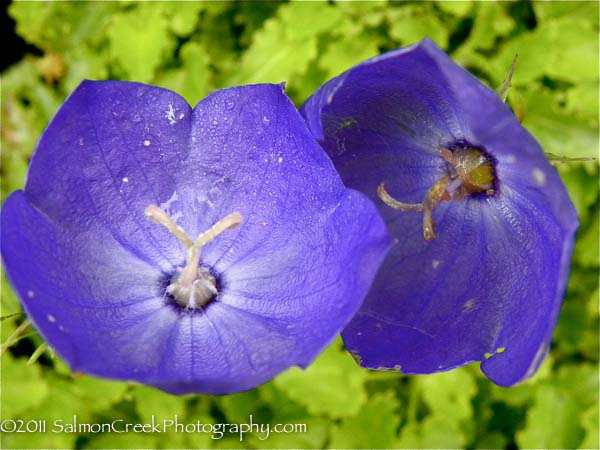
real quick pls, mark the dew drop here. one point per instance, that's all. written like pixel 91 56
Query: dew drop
pixel 51 318
pixel 125 180
pixel 147 143
pixel 266 120
pixel 280 160
pixel 30 294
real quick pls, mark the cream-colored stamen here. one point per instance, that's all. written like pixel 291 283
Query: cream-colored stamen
pixel 194 286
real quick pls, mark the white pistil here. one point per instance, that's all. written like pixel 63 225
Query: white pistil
pixel 157 215
pixel 194 286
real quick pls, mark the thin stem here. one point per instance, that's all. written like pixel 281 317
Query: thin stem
pixel 36 355
pixel 13 338
pixel 564 159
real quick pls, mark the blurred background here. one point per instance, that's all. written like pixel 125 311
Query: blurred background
pixel 194 48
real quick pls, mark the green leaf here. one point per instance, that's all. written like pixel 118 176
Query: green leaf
pixel 333 385
pixel 344 53
pixel 57 26
pixel 410 25
pixel 153 402
pixel 558 132
pixel 580 382
pixel 589 421
pixel 97 393
pixel 456 8
pixel 83 63
pixel 304 20
pixel 582 101
pixel 542 52
pixel 23 387
pixel 274 56
pixel 586 246
pixel 359 15
pixel 192 81
pixel 182 16
pixel 550 11
pixel 317 430
pixel 553 410
pixel 122 441
pixel 373 427
pixel 491 21
pixel 582 187
pixel 432 432
pixel 238 407
pixel 139 41
pixel 449 394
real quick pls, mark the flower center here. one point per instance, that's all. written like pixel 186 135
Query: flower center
pixel 192 286
pixel 469 171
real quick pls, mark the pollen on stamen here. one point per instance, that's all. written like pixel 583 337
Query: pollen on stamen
pixel 469 171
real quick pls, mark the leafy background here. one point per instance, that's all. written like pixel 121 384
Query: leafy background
pixel 194 48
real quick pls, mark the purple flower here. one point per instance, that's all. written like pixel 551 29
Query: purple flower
pixel 482 223
pixel 196 250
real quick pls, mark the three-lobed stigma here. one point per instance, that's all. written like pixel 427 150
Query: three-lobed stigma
pixel 468 171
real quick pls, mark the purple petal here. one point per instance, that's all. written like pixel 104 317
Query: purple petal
pixel 78 240
pixel 489 287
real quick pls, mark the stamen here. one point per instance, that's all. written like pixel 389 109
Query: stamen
pixel 469 171
pixel 434 197
pixel 194 286
pixel 393 203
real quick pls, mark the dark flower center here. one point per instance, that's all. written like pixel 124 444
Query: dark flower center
pixel 193 286
pixel 469 171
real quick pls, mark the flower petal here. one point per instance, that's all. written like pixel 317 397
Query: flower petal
pixel 489 287
pixel 112 149
pixel 288 281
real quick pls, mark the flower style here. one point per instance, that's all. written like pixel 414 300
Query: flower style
pixel 195 250
pixel 483 225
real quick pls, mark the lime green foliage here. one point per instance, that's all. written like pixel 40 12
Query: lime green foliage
pixel 196 47
pixel 323 388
